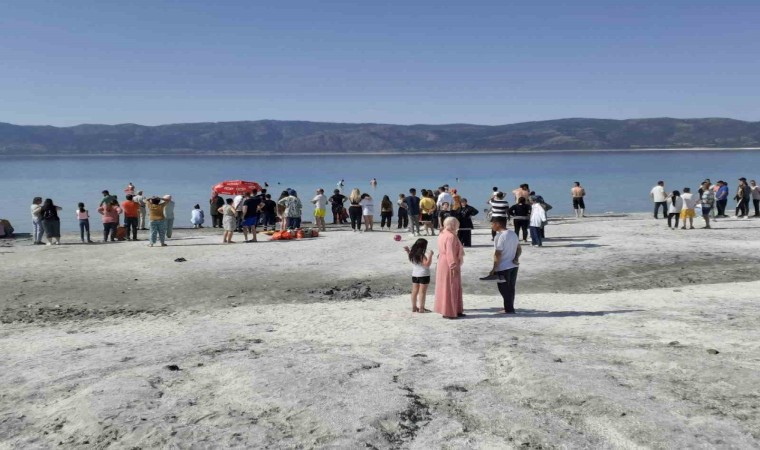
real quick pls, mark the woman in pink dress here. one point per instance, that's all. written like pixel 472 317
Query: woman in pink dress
pixel 448 275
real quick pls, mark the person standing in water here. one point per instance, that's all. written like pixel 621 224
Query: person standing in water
pixel 373 182
pixel 577 192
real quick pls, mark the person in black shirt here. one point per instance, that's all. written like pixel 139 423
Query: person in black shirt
pixel 464 215
pixel 521 217
pixel 251 209
pixel 337 200
pixel 268 212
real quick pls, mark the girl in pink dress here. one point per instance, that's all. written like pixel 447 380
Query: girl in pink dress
pixel 448 275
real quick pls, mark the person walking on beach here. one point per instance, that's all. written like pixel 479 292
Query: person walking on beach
pixel 721 198
pixel 169 215
pixel 51 223
pixel 499 208
pixel 421 259
pixel 39 231
pixel 402 213
pixel 337 200
pixel 427 209
pixel 464 215
pixel 577 193
pixel 355 209
pixel 413 209
pixel 229 220
pixel 83 217
pixel 156 208
pixel 386 213
pixel 520 214
pixel 755 190
pixel 658 196
pixel 537 221
pixel 140 200
pixel 131 216
pixel 320 209
pixel 215 203
pixel 506 256
pixel 675 206
pixel 293 208
pixel 340 185
pixel 110 217
pixel 708 199
pixel 196 216
pixel 448 276
pixel 689 206
pixel 743 196
pixel 368 211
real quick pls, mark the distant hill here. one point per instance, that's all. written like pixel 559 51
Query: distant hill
pixel 315 137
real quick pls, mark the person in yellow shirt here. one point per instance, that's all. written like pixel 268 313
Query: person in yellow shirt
pixel 427 209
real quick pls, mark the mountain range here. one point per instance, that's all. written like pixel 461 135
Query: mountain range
pixel 298 137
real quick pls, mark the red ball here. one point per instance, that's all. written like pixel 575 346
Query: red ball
pixel 397 237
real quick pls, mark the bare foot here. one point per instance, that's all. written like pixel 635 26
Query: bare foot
pixel 414 309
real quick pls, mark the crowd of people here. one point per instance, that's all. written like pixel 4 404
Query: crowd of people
pixel 709 202
pixel 134 212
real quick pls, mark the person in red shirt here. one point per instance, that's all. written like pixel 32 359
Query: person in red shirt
pixel 131 216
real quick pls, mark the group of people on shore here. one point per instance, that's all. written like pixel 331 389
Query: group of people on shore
pixel 710 201
pixel 132 213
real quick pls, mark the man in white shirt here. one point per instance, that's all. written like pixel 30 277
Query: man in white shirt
pixel 444 197
pixel 506 257
pixel 658 196
pixel 237 203
pixel 320 209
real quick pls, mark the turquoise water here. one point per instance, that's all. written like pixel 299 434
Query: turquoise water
pixel 614 181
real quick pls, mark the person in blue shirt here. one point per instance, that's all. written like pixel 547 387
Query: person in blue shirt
pixel 721 198
pixel 413 208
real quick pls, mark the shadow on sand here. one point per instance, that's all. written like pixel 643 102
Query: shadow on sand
pixel 531 313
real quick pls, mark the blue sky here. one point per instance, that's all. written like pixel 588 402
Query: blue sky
pixel 154 62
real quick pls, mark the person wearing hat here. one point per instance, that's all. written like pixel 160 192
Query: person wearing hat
pixel 169 215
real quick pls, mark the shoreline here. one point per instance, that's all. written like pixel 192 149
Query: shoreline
pixel 390 153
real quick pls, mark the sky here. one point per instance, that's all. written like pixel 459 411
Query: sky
pixel 154 62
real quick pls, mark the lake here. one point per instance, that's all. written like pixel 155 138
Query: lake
pixel 615 181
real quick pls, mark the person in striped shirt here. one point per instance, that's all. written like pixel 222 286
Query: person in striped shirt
pixel 499 208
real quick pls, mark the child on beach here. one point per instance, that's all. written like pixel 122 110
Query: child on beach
pixel 421 258
pixel 84 222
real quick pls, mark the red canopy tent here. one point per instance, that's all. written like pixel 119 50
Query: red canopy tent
pixel 236 187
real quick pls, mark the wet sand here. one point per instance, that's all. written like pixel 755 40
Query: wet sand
pixel 310 343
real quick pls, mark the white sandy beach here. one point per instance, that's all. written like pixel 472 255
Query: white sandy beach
pixel 628 335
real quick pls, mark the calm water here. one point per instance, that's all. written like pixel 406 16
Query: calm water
pixel 614 181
